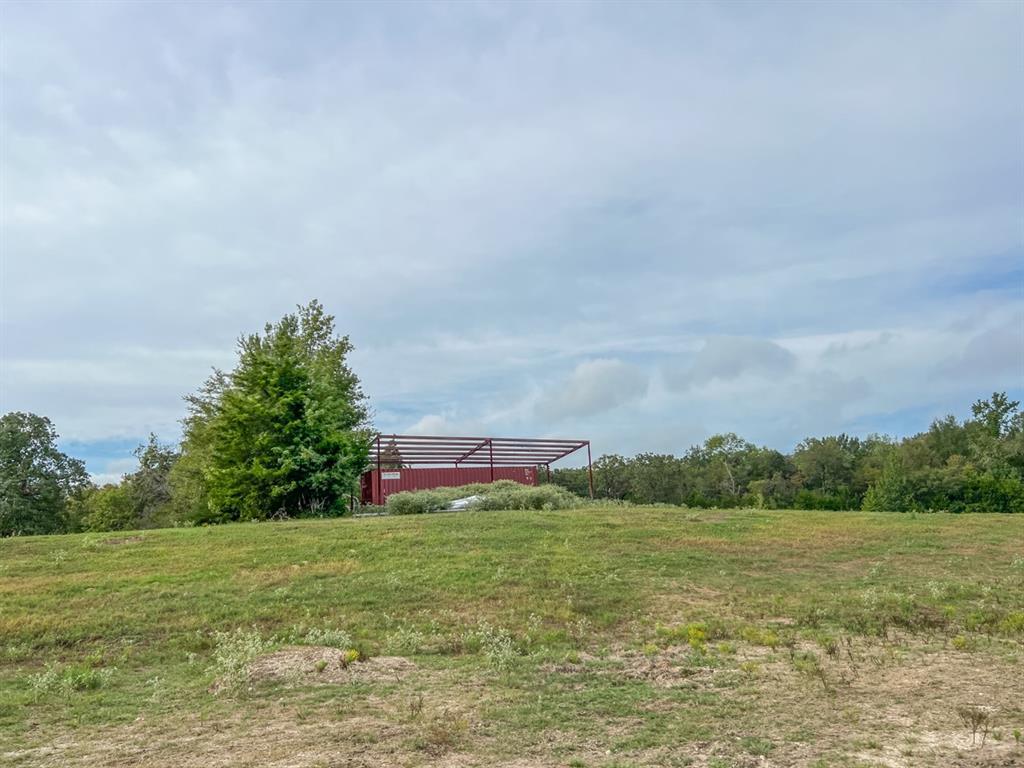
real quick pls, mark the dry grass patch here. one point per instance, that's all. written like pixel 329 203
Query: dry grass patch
pixel 323 665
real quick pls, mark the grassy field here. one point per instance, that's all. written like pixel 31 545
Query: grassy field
pixel 599 637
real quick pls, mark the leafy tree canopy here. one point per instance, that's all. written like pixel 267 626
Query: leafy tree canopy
pixel 36 478
pixel 141 500
pixel 283 434
pixel 972 466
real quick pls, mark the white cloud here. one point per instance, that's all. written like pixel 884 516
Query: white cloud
pixel 723 358
pixel 114 471
pixel 488 195
pixel 594 386
pixel 437 424
pixel 997 352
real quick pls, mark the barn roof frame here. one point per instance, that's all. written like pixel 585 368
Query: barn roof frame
pixel 413 450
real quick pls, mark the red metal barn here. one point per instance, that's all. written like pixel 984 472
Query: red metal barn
pixel 421 462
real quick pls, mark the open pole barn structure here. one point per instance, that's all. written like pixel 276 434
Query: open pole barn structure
pixel 420 462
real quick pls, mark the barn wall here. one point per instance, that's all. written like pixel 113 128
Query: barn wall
pixel 424 478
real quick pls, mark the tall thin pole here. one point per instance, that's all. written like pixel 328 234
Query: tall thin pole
pixel 490 453
pixel 548 468
pixel 590 471
pixel 380 487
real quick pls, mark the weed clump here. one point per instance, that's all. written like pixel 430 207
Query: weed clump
pixel 758 636
pixel 68 680
pixel 233 653
pixel 496 644
pixel 757 746
pixel 405 640
pixel 501 494
pixel 442 733
pixel 326 636
pixel 1013 623
pixel 962 643
pixel 697 634
pixel 978 719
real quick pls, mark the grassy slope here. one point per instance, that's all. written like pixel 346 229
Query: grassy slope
pixel 908 597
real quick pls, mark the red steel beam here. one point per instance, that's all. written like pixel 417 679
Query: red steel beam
pixel 590 471
pixel 471 451
pixel 450 439
pixel 379 489
pixel 460 450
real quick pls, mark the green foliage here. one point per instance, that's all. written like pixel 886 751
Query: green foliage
pixel 611 477
pixel 971 466
pixel 518 496
pixel 282 434
pixel 149 487
pixel 65 681
pixel 757 746
pixel 891 492
pixel 37 480
pixel 141 500
pixel 106 508
pixel 501 494
pixel 233 653
pixel 828 464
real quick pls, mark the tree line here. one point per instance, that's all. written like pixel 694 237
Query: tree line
pixel 286 433
pixel 975 465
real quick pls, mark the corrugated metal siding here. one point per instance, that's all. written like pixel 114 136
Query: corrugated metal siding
pixel 423 478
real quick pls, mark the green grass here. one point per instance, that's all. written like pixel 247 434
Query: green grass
pixel 637 636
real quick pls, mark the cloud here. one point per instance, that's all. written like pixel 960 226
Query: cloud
pixel 114 471
pixel 437 424
pixel 838 349
pixel 723 358
pixel 997 352
pixel 594 387
pixel 488 194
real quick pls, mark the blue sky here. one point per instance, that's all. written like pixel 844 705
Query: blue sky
pixel 635 223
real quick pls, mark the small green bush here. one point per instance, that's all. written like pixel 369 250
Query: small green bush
pixel 530 497
pixel 501 494
pixel 67 680
pixel 327 636
pixel 1013 623
pixel 232 654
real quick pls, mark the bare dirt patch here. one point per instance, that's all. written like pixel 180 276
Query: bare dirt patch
pixel 668 669
pixel 890 704
pixel 895 705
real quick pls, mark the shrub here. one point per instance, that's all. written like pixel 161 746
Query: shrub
pixel 67 680
pixel 978 719
pixel 1013 624
pixel 962 643
pixel 233 653
pixel 417 502
pixel 442 733
pixel 758 636
pixel 498 646
pixel 501 494
pixel 530 497
pixel 405 640
pixel 326 636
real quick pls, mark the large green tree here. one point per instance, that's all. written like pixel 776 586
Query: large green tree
pixel 281 435
pixel 37 479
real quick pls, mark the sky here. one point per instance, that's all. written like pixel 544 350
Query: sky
pixel 639 224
